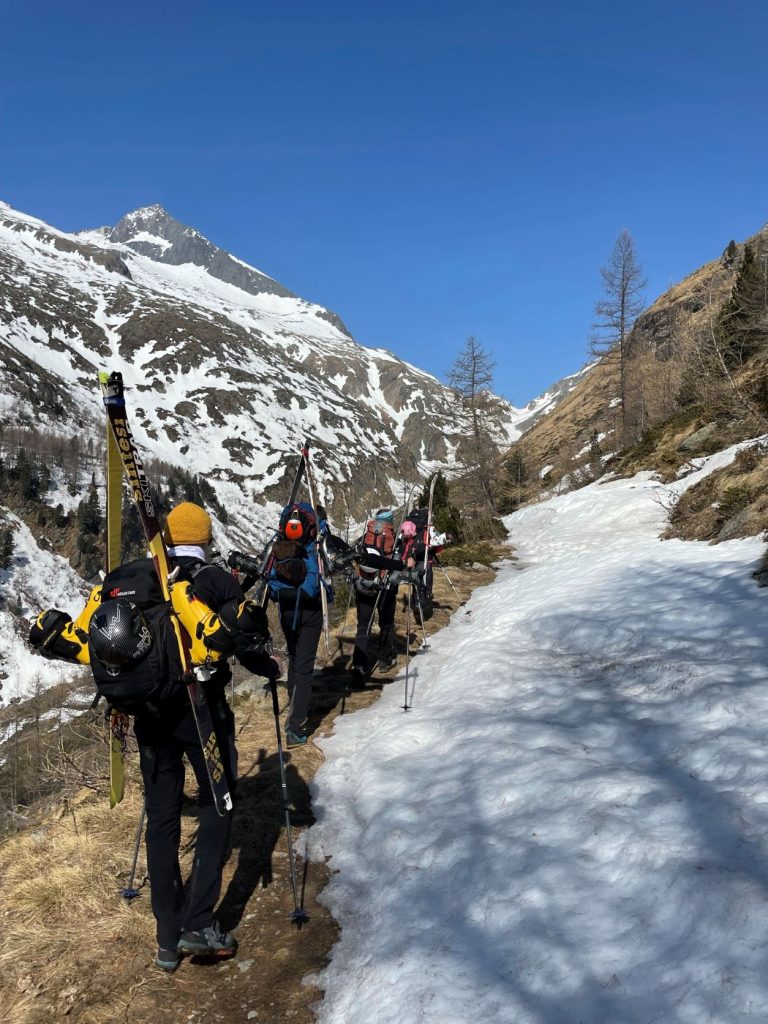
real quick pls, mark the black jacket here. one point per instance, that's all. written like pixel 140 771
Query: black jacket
pixel 215 587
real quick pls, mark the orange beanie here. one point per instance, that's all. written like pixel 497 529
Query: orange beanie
pixel 187 523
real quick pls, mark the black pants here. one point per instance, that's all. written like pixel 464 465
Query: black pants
pixel 302 644
pixel 366 602
pixel 162 745
pixel 424 593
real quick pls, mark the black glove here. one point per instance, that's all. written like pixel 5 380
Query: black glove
pixel 336 546
pixel 244 563
pixel 409 576
pixel 45 635
pixel 341 561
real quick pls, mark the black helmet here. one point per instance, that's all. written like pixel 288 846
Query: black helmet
pixel 118 635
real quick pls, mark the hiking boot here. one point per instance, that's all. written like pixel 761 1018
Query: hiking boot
pixel 294 739
pixel 167 959
pixel 210 941
pixel 386 663
pixel 358 678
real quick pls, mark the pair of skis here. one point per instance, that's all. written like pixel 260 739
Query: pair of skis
pixel 259 575
pixel 114 402
pixel 119 722
pixel 322 558
pixel 407 706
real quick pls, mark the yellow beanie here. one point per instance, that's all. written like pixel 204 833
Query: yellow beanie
pixel 187 523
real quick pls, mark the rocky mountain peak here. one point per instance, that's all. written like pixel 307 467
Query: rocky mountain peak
pixel 154 220
pixel 152 231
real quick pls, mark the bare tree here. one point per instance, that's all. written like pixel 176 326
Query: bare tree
pixel 471 377
pixel 619 307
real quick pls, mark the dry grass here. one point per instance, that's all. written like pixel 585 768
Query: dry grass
pixel 74 949
pixel 731 502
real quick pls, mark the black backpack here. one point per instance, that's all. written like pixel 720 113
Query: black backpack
pixel 154 684
pixel 419 518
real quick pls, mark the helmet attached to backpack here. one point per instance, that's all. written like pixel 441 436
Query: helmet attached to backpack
pixel 298 523
pixel 118 635
pixel 408 529
pixel 294 528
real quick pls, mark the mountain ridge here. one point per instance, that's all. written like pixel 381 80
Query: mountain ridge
pixel 149 296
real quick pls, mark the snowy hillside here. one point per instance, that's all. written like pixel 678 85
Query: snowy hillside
pixel 569 826
pixel 228 370
pixel 35 579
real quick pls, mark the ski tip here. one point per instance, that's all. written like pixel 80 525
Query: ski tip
pixel 130 894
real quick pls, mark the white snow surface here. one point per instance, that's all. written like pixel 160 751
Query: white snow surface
pixel 35 579
pixel 571 825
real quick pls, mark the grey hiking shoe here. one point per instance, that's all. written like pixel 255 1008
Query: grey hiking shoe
pixel 167 959
pixel 210 941
pixel 294 739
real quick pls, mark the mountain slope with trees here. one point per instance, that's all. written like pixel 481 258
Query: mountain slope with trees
pixel 689 378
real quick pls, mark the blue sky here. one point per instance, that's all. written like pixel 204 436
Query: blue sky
pixel 428 170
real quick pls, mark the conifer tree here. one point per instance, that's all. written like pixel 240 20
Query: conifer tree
pixel 471 377
pixel 617 310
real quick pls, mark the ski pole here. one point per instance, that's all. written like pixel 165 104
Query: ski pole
pixel 373 612
pixel 441 567
pixel 425 643
pixel 346 616
pixel 129 893
pixel 299 915
pixel 407 706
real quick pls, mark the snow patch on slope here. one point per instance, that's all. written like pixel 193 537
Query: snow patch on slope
pixel 36 579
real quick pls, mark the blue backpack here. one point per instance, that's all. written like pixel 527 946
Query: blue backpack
pixel 295 571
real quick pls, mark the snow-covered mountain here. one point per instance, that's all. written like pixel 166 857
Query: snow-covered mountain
pixel 228 369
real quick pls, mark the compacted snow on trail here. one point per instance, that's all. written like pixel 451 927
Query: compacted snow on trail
pixel 571 825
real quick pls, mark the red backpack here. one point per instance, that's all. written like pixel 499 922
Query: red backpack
pixel 379 537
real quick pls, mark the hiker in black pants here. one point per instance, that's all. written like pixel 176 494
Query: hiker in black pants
pixel 185 921
pixel 302 637
pixel 375 591
pixel 295 582
pixel 167 731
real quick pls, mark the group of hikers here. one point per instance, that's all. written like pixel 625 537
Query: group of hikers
pixel 125 634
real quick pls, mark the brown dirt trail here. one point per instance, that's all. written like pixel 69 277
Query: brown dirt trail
pixel 74 950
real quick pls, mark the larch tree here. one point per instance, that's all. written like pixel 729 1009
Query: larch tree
pixel 617 309
pixel 471 377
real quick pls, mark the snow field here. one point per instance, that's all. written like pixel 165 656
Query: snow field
pixel 35 580
pixel 571 825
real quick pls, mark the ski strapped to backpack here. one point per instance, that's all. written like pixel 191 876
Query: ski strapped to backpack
pixel 114 401
pixel 428 534
pixel 322 560
pixel 119 722
pixel 257 570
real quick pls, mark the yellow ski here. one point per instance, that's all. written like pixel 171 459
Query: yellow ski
pixel 118 722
